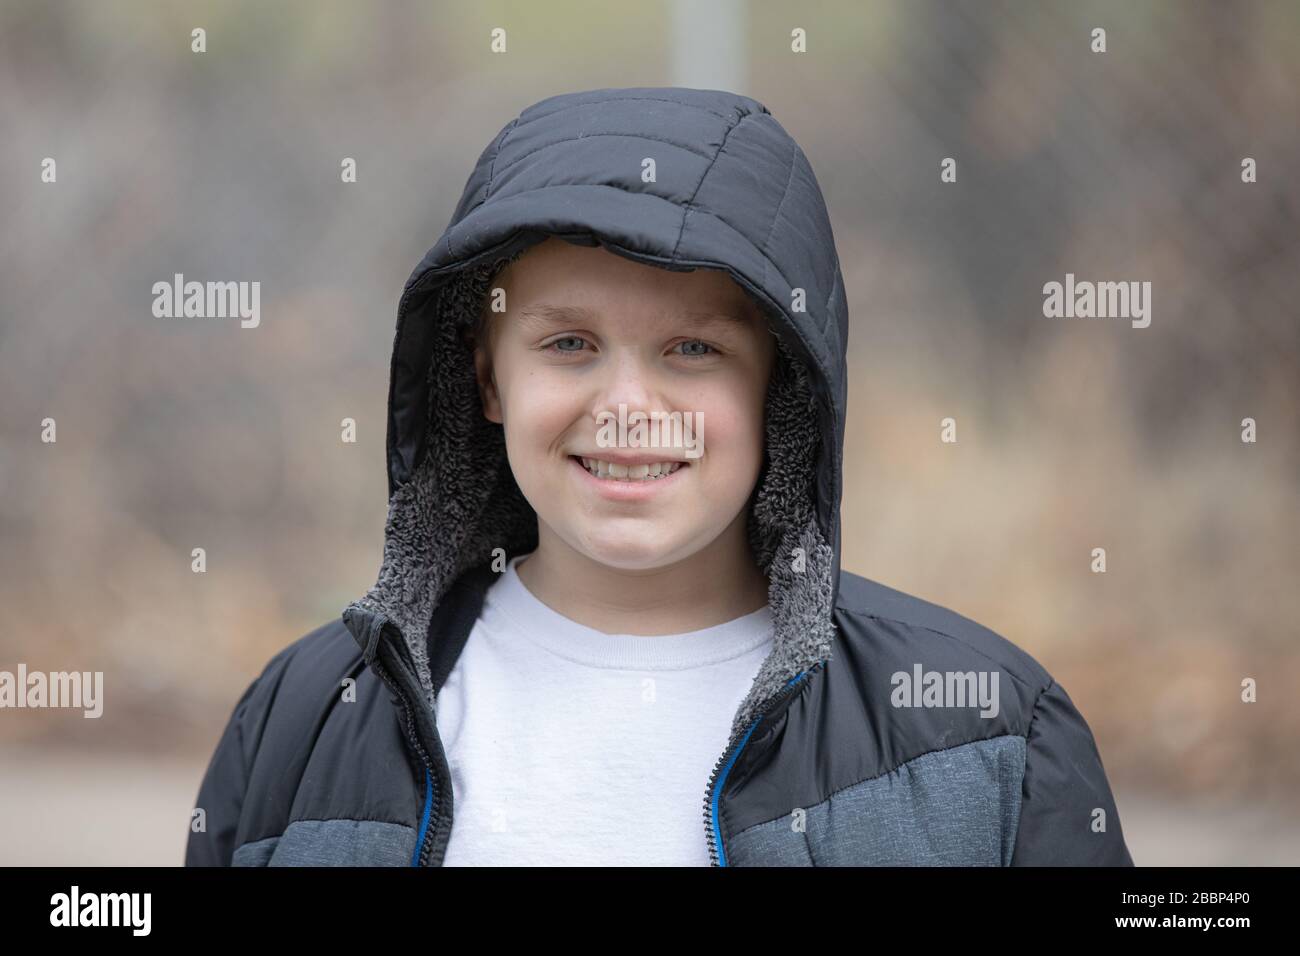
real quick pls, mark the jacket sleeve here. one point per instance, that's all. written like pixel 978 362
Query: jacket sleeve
pixel 1063 788
pixel 221 794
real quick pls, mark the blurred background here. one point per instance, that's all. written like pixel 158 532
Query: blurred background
pixel 1072 433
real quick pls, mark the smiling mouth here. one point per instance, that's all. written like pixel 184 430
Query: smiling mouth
pixel 613 471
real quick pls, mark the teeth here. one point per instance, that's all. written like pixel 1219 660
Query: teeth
pixel 616 472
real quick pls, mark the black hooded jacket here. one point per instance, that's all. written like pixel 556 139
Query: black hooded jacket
pixel 864 739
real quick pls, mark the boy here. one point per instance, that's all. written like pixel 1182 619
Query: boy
pixel 584 631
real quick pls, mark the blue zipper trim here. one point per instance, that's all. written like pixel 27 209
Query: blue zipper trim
pixel 424 823
pixel 717 790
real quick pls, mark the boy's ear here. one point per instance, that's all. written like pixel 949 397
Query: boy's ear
pixel 487 384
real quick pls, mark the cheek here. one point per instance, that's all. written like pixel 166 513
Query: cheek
pixel 733 428
pixel 536 407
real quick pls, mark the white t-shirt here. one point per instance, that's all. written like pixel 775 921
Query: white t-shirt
pixel 568 746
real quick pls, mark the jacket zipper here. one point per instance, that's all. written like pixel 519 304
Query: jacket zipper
pixel 433 799
pixel 717 853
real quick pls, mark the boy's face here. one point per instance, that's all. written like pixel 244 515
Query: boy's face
pixel 586 330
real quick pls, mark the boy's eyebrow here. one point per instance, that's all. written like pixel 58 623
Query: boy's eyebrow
pixel 546 314
pixel 734 318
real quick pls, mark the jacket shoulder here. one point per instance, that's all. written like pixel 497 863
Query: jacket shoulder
pixel 903 622
pixel 248 788
pixel 318 656
pixel 1053 796
pixel 293 681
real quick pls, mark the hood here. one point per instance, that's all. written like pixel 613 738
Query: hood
pixel 733 192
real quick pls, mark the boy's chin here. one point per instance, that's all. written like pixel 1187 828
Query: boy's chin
pixel 633 551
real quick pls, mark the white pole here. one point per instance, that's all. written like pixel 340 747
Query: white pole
pixel 709 45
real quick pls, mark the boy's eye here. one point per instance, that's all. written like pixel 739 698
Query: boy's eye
pixel 694 348
pixel 567 338
pixel 691 353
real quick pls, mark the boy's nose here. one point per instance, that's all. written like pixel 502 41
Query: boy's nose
pixel 629 385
